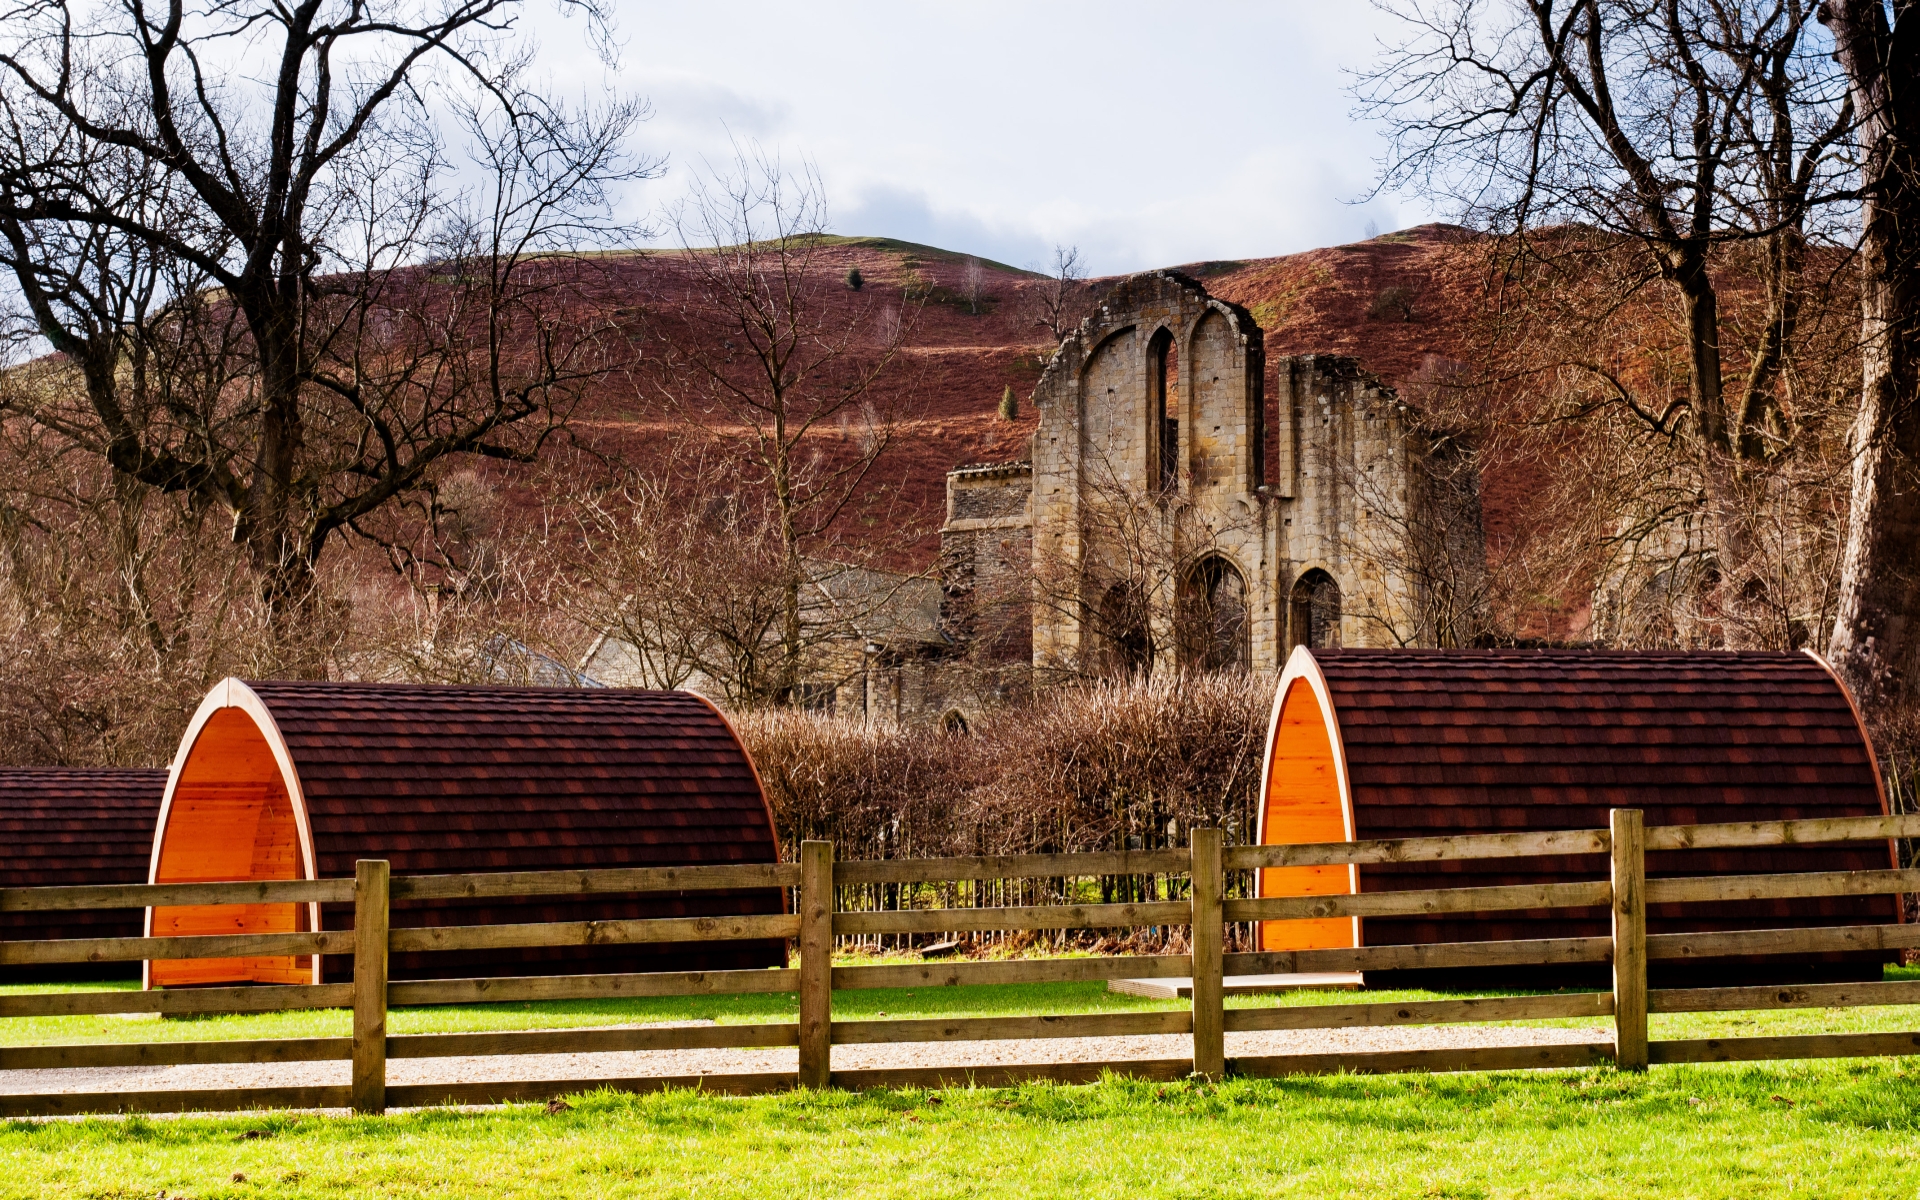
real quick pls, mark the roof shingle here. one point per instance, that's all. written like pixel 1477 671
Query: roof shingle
pixel 1446 742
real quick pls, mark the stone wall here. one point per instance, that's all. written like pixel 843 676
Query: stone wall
pixel 986 553
pixel 1146 477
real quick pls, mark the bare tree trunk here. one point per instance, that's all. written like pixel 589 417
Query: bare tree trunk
pixel 1873 641
pixel 788 682
pixel 1721 471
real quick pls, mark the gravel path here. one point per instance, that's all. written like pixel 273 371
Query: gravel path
pixel 628 1064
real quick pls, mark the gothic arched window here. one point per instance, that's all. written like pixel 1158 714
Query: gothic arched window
pixel 1313 612
pixel 1163 368
pixel 1213 618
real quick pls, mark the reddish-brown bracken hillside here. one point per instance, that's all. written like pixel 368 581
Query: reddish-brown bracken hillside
pixel 1398 303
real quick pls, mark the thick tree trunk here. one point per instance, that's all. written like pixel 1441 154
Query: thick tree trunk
pixel 1741 595
pixel 1873 638
pixel 1703 342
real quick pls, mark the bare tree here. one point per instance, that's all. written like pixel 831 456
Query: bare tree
pixel 1873 644
pixel 682 579
pixel 119 604
pixel 1057 304
pixel 1135 591
pixel 1423 531
pixel 277 223
pixel 688 576
pixel 1655 137
pixel 973 284
pixel 782 367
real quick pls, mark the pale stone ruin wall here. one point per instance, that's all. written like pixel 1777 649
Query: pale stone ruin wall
pixel 1351 495
pixel 1359 498
pixel 1348 495
pixel 986 552
pixel 1103 441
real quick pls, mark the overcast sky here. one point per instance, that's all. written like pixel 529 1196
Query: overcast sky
pixel 1147 134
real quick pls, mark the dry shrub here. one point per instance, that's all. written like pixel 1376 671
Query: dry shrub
pixel 874 791
pixel 119 607
pixel 1114 765
pixel 1098 767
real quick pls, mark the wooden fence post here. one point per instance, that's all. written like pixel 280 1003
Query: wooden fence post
pixel 370 913
pixel 1629 940
pixel 1209 934
pixel 816 963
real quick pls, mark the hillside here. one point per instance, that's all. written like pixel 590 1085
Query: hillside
pixel 961 360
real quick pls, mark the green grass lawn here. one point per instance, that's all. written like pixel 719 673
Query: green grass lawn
pixel 1823 1130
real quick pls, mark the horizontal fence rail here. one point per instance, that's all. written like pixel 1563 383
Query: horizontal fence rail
pixel 591 933
pixel 1435 849
pixel 192 1002
pixel 1782 887
pixel 151 895
pixel 1421 1012
pixel 524 988
pixel 809 921
pixel 143 949
pixel 1420 903
pixel 587 883
pixel 1782 833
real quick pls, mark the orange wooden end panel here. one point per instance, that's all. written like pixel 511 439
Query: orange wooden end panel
pixel 231 819
pixel 1303 805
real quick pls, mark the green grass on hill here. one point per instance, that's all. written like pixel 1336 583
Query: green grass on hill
pixel 1824 1130
pixel 912 252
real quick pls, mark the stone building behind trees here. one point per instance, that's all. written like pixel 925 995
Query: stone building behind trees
pixel 1169 518
pixel 1175 520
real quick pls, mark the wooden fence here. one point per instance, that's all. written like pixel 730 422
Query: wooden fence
pixel 814 925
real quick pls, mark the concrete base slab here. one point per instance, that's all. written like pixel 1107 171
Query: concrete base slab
pixel 1181 988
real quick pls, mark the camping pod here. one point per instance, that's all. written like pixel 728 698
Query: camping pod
pixel 62 827
pixel 300 780
pixel 1368 744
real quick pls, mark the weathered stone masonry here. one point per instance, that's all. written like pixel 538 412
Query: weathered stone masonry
pixel 1148 481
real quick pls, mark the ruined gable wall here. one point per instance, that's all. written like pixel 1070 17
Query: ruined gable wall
pixel 1357 482
pixel 1347 494
pixel 1101 442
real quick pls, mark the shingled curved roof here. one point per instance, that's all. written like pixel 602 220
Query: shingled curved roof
pixel 64 827
pixel 443 780
pixel 1432 743
pixel 1440 740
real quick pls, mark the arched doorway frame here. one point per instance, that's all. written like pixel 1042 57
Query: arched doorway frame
pixel 234 696
pixel 1300 604
pixel 1198 602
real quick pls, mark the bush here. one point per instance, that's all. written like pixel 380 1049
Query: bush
pixel 855 279
pixel 1009 405
pixel 1102 767
pixel 875 792
pixel 1395 301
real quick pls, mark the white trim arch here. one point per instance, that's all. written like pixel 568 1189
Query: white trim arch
pixel 228 694
pixel 1302 668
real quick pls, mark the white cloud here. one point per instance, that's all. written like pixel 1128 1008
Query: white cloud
pixel 1148 134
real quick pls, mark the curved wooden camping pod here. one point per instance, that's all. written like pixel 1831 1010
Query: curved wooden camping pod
pixel 1305 798
pixel 1411 743
pixel 299 780
pixel 62 827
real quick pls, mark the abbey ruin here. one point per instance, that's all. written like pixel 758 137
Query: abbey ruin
pixel 1170 518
